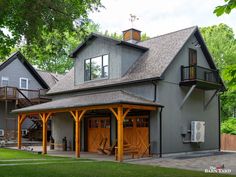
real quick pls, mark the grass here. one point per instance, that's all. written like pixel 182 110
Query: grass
pixel 33 165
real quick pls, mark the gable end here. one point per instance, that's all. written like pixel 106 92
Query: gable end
pixel 27 65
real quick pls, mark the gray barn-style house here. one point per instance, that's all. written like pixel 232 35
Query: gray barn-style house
pixel 157 96
pixel 21 85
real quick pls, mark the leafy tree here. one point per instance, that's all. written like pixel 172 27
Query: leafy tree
pixel 52 51
pixel 226 8
pixel 222 45
pixel 229 126
pixel 230 71
pixel 33 19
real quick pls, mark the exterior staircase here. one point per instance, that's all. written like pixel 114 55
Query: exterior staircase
pixel 24 98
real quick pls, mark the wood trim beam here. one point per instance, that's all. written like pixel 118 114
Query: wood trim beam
pixel 48 116
pixel 82 114
pixel 98 107
pixel 73 114
pixel 114 112
pixel 22 118
pixel 126 112
pixel 142 107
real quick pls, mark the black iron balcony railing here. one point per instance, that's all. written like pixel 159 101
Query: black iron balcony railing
pixel 198 73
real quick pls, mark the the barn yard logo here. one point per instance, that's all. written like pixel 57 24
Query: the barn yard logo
pixel 218 169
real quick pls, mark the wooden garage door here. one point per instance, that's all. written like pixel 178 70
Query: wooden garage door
pixel 98 130
pixel 136 133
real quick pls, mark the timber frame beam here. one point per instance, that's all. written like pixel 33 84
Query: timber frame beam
pixel 120 115
pixel 44 117
pixel 21 118
pixel 77 115
pixel 98 107
pixel 120 111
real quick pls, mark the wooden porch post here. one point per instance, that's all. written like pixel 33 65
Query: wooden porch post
pixel 77 136
pixel 120 133
pixel 21 119
pixel 19 132
pixel 77 115
pixel 44 117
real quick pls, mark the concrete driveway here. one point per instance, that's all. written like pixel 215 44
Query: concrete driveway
pixel 199 161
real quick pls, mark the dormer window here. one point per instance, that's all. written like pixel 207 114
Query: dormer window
pixel 96 68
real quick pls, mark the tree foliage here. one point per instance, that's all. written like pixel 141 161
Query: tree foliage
pixel 52 51
pixel 229 126
pixel 222 45
pixel 226 8
pixel 33 19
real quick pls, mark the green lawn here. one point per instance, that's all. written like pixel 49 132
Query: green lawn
pixel 15 163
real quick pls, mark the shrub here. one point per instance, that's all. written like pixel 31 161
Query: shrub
pixel 229 126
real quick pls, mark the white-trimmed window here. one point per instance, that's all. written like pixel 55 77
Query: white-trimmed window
pixel 5 81
pixel 24 83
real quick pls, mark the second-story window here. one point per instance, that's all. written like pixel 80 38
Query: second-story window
pixel 5 81
pixel 96 68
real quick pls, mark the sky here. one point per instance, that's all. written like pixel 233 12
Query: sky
pixel 158 17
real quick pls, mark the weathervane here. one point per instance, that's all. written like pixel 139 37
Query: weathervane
pixel 132 19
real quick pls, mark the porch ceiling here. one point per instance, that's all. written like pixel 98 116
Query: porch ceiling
pixel 89 100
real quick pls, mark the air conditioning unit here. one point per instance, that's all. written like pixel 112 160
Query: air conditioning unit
pixel 197 131
pixel 1 132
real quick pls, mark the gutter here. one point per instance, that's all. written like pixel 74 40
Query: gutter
pixel 105 86
pixel 155 91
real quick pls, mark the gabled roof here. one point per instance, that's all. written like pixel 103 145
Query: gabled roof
pixel 98 98
pixel 27 65
pixel 93 36
pixel 162 50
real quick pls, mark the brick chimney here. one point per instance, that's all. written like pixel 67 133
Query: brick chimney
pixel 132 35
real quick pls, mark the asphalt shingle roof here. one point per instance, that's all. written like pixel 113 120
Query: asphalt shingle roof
pixel 152 64
pixel 50 78
pixel 101 98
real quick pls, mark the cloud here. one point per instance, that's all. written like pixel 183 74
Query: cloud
pixel 158 16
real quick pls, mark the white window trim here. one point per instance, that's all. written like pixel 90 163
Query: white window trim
pixel 27 82
pixel 4 78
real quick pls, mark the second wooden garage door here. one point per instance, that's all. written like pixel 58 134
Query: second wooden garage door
pixel 136 133
pixel 98 130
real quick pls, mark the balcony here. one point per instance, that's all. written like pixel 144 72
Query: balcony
pixel 203 78
pixel 24 97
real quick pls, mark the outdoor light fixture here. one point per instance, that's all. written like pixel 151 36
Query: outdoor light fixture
pixel 196 44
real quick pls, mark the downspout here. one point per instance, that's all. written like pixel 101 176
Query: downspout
pixel 219 116
pixel 155 91
pixel 161 132
pixel 160 129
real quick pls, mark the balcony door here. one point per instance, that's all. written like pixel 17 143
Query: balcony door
pixel 24 86
pixel 192 63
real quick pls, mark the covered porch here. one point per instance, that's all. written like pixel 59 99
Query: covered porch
pixel 118 103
